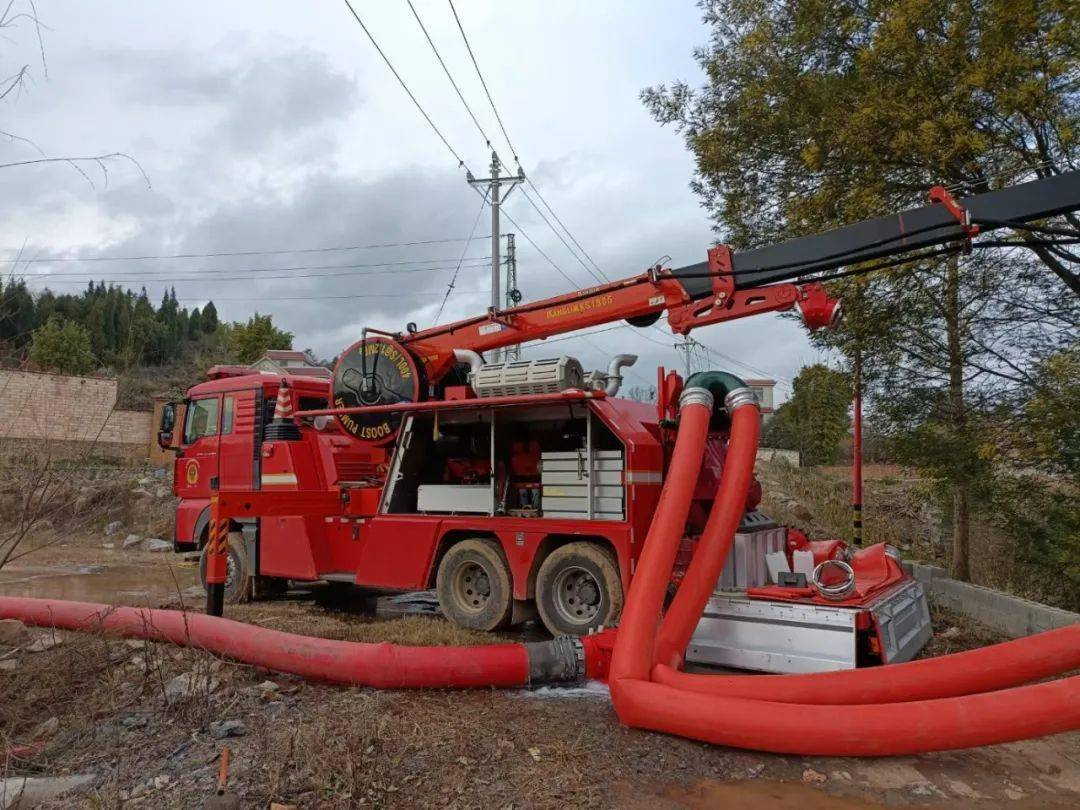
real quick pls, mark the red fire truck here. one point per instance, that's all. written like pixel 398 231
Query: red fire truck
pixel 498 505
pixel 516 488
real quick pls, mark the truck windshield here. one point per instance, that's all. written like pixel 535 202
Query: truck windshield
pixel 202 419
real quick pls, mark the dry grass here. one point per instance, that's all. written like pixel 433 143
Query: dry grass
pixel 309 620
pixel 819 502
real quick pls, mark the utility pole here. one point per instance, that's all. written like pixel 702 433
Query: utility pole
pixel 495 183
pixel 687 347
pixel 513 295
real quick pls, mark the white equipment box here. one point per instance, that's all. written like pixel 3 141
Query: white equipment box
pixel 790 637
pixel 454 498
pixel 569 487
pixel 782 636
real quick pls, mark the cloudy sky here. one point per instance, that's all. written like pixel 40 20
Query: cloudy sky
pixel 275 126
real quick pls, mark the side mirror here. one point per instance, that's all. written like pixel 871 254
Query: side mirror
pixel 165 428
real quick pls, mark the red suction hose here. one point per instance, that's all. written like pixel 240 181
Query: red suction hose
pixel 869 730
pixel 999 666
pixel 637 625
pixel 386 666
pixel 836 714
pixel 715 543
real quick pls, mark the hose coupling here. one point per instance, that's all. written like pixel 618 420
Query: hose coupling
pixel 696 396
pixel 559 660
pixel 738 397
pixel 836 591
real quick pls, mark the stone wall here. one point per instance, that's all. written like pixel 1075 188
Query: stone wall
pixel 69 416
pixel 999 611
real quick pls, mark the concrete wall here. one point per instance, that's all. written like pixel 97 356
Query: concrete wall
pixel 1007 614
pixel 72 415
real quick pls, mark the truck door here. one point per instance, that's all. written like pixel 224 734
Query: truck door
pixel 237 440
pixel 197 470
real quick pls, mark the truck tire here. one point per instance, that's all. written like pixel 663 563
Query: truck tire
pixel 578 589
pixel 473 584
pixel 238 579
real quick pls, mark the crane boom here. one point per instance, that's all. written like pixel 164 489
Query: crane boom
pixel 916 228
pixel 732 285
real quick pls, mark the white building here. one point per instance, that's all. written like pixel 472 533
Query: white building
pixel 287 361
pixel 763 389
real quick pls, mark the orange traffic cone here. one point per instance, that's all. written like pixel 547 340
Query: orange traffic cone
pixel 282 427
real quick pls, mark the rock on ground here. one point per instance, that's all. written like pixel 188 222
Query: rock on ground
pixel 13 632
pixel 219 730
pixel 20 792
pixel 114 527
pixel 157 545
pixel 189 685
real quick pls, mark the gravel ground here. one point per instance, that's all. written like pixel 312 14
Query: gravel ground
pixel 105 708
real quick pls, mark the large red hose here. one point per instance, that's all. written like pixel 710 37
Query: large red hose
pixel 827 723
pixel 712 549
pixel 986 669
pixel 386 666
pixel 868 730
pixel 637 626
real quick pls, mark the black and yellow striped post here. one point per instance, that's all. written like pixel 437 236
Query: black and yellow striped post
pixel 217 564
pixel 856 456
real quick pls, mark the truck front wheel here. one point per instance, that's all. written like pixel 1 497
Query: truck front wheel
pixel 473 584
pixel 578 589
pixel 238 579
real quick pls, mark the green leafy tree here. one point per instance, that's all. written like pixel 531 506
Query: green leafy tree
pixel 1034 441
pixel 61 345
pixel 209 318
pixel 816 418
pixel 824 112
pixel 248 342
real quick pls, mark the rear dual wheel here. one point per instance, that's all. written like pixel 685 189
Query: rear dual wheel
pixel 473 584
pixel 578 589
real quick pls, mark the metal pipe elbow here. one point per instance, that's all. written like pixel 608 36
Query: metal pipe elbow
pixel 614 376
pixel 474 359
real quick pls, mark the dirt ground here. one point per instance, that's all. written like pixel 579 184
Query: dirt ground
pixel 315 745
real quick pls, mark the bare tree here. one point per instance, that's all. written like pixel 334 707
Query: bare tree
pixel 24 15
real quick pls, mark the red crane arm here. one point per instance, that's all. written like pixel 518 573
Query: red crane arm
pixel 730 286
pixel 642 297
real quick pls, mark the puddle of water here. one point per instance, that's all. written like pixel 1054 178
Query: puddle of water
pixel 593 690
pixel 121 584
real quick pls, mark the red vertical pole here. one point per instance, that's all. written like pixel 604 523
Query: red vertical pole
pixel 216 560
pixel 856 466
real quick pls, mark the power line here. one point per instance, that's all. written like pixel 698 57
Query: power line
pixel 211 278
pixel 536 247
pixel 547 222
pixel 568 232
pixel 483 83
pixel 405 87
pixel 219 254
pixel 446 70
pixel 407 264
pixel 599 274
pixel 334 297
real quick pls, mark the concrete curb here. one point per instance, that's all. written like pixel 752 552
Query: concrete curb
pixel 1007 614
